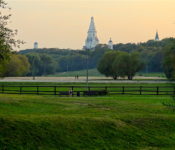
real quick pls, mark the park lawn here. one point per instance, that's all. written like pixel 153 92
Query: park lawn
pixel 85 123
pixel 154 74
pixel 80 73
pixel 96 73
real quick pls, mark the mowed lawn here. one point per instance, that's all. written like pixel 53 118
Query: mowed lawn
pixel 85 123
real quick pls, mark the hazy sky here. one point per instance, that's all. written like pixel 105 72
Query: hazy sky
pixel 64 23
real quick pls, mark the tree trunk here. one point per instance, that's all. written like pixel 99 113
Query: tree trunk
pixel 115 77
pixel 130 77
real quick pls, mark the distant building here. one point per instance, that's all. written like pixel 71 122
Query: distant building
pixel 157 36
pixel 92 39
pixel 110 44
pixel 36 45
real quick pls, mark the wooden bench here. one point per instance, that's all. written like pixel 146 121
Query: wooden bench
pixel 65 93
pixel 85 93
pixel 95 93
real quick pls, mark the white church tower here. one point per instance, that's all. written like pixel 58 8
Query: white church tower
pixel 92 39
pixel 110 44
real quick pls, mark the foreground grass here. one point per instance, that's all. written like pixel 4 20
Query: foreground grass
pixel 50 123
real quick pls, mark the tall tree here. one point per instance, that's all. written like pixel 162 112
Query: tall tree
pixel 7 36
pixel 127 64
pixel 34 61
pixel 105 64
pixel 18 65
pixel 47 65
pixel 121 64
pixel 133 64
pixel 169 61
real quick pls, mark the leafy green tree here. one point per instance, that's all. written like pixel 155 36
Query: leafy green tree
pixel 18 65
pixel 121 64
pixel 47 65
pixel 5 33
pixel 72 63
pixel 7 36
pixel 34 61
pixel 127 64
pixel 41 64
pixel 133 64
pixel 97 54
pixel 105 64
pixel 169 61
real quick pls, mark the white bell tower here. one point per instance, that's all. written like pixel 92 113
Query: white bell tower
pixel 110 44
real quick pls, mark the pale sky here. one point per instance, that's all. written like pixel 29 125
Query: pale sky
pixel 64 23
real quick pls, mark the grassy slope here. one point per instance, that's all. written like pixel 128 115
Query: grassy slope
pixel 49 122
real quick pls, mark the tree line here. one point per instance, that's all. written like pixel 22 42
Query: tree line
pixel 125 59
pixel 152 53
pixel 115 63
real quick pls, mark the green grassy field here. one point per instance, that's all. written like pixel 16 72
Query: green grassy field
pixel 92 72
pixel 96 73
pixel 30 122
pixel 156 74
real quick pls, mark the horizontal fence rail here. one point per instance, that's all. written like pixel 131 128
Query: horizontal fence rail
pixel 88 91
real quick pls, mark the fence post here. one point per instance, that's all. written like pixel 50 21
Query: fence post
pixel 106 88
pixel 123 92
pixel 72 91
pixel 37 90
pixel 55 90
pixel 89 89
pixel 157 90
pixel 20 90
pixel 2 88
pixel 140 90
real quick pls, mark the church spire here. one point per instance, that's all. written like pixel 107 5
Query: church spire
pixel 157 36
pixel 92 25
pixel 92 39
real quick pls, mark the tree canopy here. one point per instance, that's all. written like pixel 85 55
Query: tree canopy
pixel 7 43
pixel 105 65
pixel 169 61
pixel 18 65
pixel 115 64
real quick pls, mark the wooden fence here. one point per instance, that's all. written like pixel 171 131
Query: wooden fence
pixel 88 91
